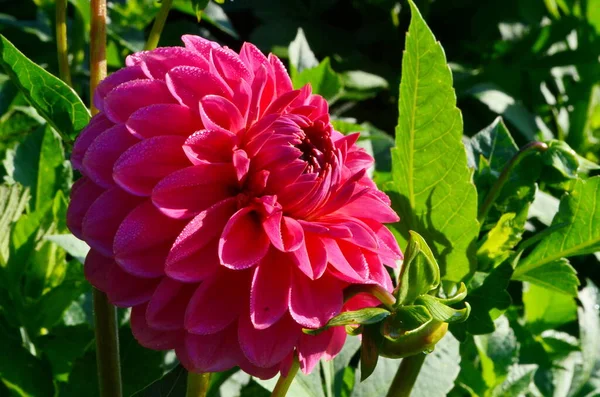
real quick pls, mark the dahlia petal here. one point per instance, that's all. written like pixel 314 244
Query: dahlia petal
pixel 241 162
pixel 199 44
pixel 257 372
pixel 83 194
pixel 217 302
pixel 377 271
pixel 113 80
pixel 144 239
pixel 341 262
pixel 158 62
pixel 336 344
pixel 243 242
pixel 98 124
pixel 128 97
pixel 167 306
pixel 311 348
pixel 268 347
pixel 263 89
pixel 378 210
pixel 270 290
pixel 149 337
pixel 210 146
pixel 163 119
pixel 311 256
pixel 285 233
pixel 96 269
pixel 102 154
pixel 189 85
pixel 283 83
pixel 104 217
pixel 187 192
pixel 144 164
pixel 125 290
pixel 211 353
pixel 242 95
pixel 360 301
pixel 194 255
pixel 218 112
pixel 282 102
pixel 314 302
pixel 252 57
pixel 230 66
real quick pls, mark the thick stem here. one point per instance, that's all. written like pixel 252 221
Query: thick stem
pixel 107 346
pixel 284 382
pixel 61 41
pixel 497 187
pixel 406 376
pixel 97 46
pixel 197 384
pixel 159 24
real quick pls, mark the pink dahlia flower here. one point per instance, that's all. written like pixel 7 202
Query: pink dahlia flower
pixel 222 206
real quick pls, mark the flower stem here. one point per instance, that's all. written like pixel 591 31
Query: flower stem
pixel 284 382
pixel 107 346
pixel 98 46
pixel 497 187
pixel 159 24
pixel 197 384
pixel 61 41
pixel 406 376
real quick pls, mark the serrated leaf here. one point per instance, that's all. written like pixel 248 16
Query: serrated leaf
pixel 497 352
pixel 580 210
pixel 420 271
pixel 517 382
pixel 54 100
pixel 435 195
pixel 558 276
pixel 322 78
pixel 488 301
pixel 589 336
pixel 301 56
pixel 365 316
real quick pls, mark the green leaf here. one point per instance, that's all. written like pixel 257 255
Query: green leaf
pixel 435 195
pixel 496 246
pixel 48 310
pixel 580 210
pixel 370 315
pixel 53 99
pixel 558 276
pixel 199 6
pixel 301 56
pixel 589 336
pixel 440 369
pixel 173 384
pixel 22 373
pixel 323 80
pixel 76 248
pixel 13 200
pixel 518 381
pixel 497 352
pixel 488 299
pixel 420 271
pixel 39 164
pixel 562 158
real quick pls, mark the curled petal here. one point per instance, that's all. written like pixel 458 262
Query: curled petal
pixel 83 194
pixel 163 119
pixel 98 124
pixel 128 97
pixel 189 85
pixel 149 337
pixel 219 113
pixel 314 302
pixel 210 146
pixel 243 242
pixel 114 80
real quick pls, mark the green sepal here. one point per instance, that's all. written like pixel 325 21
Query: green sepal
pixel 369 350
pixel 441 312
pixel 420 271
pixel 457 297
pixel 406 320
pixel 420 340
pixel 370 315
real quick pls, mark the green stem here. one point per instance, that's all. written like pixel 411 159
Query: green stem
pixel 97 46
pixel 61 41
pixel 197 384
pixel 497 187
pixel 159 24
pixel 406 376
pixel 284 382
pixel 107 346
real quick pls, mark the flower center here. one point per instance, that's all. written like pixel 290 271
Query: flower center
pixel 317 147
